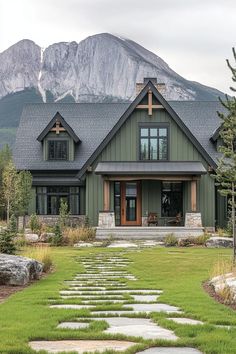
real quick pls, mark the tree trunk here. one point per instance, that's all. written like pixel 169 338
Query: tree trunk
pixel 8 211
pixel 233 224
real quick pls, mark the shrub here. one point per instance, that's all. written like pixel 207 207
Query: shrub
pixel 201 240
pixel 71 236
pixel 13 224
pixel 20 241
pixel 7 244
pixel 41 254
pixel 170 240
pixel 221 267
pixel 34 223
pixel 64 214
pixel 186 242
pixel 57 240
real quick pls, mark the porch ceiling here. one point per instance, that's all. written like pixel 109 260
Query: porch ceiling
pixel 144 168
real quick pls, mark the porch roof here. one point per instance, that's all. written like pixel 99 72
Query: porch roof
pixel 151 168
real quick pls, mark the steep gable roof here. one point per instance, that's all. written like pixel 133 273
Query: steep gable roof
pixel 128 112
pixel 58 119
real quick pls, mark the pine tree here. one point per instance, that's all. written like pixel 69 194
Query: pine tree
pixel 226 170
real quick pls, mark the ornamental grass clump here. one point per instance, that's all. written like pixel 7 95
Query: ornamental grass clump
pixel 74 235
pixel 42 254
pixel 222 267
pixel 170 240
pixel 201 240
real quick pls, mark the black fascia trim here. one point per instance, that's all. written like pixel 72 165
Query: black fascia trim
pixel 69 130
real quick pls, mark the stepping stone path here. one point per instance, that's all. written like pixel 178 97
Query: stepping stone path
pixel 103 285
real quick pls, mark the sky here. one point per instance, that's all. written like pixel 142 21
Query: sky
pixel 193 36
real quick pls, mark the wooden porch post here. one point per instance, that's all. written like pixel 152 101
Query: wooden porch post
pixel 194 195
pixel 106 195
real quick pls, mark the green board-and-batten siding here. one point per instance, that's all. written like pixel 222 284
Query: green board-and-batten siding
pixel 124 146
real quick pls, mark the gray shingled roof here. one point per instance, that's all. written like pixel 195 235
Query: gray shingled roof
pixel 92 122
pixel 202 120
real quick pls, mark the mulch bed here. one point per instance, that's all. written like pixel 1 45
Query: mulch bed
pixel 8 290
pixel 210 290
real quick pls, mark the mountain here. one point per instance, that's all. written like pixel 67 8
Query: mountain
pixel 100 68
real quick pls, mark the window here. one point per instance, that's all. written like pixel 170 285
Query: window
pixel 58 150
pixel 171 199
pixel 48 199
pixel 154 143
pixel 117 203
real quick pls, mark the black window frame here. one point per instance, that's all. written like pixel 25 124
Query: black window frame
pixel 172 192
pixel 58 194
pixel 150 126
pixel 56 141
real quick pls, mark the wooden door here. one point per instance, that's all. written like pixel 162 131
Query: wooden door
pixel 131 204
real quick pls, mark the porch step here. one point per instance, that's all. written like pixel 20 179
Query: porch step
pixel 148 233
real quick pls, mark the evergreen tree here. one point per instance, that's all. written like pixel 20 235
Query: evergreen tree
pixel 226 170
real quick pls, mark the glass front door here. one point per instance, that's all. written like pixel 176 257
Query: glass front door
pixel 130 203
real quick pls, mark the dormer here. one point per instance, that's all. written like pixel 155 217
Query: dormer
pixel 58 140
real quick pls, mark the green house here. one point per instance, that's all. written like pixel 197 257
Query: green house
pixel 142 164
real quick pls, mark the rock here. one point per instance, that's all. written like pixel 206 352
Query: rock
pixel 32 237
pixel 83 244
pixel 225 281
pixel 16 270
pixel 46 236
pixel 217 242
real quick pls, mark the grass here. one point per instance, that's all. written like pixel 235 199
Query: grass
pixel 42 254
pixel 179 272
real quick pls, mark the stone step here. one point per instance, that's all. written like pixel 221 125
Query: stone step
pixel 147 233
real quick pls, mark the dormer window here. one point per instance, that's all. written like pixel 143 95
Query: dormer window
pixel 59 140
pixel 58 149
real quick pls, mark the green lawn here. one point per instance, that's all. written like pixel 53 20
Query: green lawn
pixel 179 272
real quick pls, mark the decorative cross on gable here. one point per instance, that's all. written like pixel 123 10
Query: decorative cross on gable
pixel 149 106
pixel 58 127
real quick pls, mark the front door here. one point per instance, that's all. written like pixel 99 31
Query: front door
pixel 131 203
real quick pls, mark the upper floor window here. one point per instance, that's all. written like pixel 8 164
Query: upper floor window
pixel 154 143
pixel 57 149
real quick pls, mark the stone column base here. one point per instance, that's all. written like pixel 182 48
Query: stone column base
pixel 106 219
pixel 193 220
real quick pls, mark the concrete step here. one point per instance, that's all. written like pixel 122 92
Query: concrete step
pixel 147 233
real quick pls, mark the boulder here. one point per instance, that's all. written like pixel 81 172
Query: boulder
pixel 16 270
pixel 225 281
pixel 46 237
pixel 31 237
pixel 217 242
pixel 83 244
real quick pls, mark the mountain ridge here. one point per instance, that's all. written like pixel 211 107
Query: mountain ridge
pixel 100 68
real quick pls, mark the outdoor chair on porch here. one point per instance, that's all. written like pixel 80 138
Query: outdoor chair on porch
pixel 176 221
pixel 152 219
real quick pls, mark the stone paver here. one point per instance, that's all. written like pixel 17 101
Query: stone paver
pixel 137 327
pixel 73 325
pixel 80 346
pixel 170 350
pixel 145 298
pixel 184 320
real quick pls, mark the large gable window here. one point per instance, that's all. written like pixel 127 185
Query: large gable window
pixel 154 143
pixel 57 149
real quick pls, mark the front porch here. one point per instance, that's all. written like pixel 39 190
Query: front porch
pixel 130 199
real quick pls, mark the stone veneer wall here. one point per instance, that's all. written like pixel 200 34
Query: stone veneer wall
pixel 75 220
pixel 106 219
pixel 193 220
